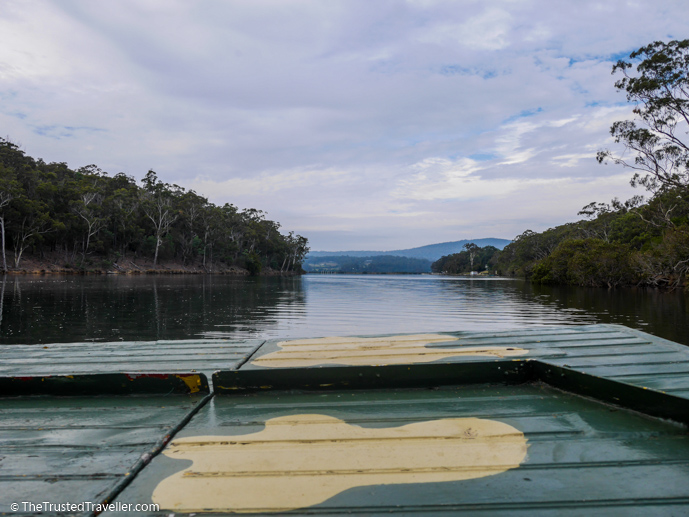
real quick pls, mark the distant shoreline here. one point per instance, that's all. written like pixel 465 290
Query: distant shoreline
pixel 32 266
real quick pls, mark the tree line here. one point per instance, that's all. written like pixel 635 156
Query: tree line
pixel 91 219
pixel 472 259
pixel 637 242
pixel 616 244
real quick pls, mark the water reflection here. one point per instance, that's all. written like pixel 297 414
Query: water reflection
pixel 665 314
pixel 110 308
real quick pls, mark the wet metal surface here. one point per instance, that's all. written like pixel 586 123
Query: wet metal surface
pixel 599 343
pixel 201 355
pixel 611 352
pixel 582 458
pixel 349 425
pixel 79 449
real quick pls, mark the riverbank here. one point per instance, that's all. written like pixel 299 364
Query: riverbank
pixel 51 265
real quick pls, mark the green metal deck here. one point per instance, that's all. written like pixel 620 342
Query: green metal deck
pixel 125 356
pixel 588 420
pixel 553 453
pixel 80 449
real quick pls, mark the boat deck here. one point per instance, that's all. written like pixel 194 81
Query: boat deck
pixel 575 420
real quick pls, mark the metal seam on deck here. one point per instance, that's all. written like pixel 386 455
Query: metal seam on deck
pixel 146 458
pixel 250 355
pixel 490 507
pixel 159 446
pixel 446 468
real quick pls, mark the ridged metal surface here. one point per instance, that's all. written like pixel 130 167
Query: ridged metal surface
pixel 582 458
pixel 608 351
pixel 203 355
pixel 79 449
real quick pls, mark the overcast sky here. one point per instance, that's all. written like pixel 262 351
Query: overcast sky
pixel 360 124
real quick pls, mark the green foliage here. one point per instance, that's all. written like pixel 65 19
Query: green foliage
pixel 252 263
pixel 91 217
pixel 520 256
pixel 666 263
pixel 631 242
pixel 659 91
pixel 586 262
pixel 473 258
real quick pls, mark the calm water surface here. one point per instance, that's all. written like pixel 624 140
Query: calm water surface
pixel 49 309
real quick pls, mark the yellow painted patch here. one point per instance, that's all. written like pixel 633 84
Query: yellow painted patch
pixel 405 349
pixel 302 460
pixel 193 382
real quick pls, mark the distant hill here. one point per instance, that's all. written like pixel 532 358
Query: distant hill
pixel 430 252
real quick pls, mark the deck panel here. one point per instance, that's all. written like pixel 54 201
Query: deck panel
pixel 80 462
pixel 203 355
pixel 76 449
pixel 623 355
pixel 581 455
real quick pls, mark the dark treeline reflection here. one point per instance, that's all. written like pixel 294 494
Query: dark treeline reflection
pixel 664 314
pixel 112 308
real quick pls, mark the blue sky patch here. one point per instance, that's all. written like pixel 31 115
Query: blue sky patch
pixel 524 114
pixel 483 157
pixel 450 70
pixel 59 132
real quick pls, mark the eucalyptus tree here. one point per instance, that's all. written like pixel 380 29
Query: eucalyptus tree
pixel 233 230
pixel 191 207
pixel 10 188
pixel 28 215
pixel 251 219
pixel 157 203
pixel 32 220
pixel 655 79
pixel 302 249
pixel 123 203
pixel 89 204
pixel 272 242
pixel 472 249
pixel 211 224
pixel 656 82
pixel 298 249
pixel 57 187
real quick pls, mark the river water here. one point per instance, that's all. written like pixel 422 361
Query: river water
pixel 51 309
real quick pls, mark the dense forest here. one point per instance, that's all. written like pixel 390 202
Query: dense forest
pixel 637 242
pixel 88 220
pixel 377 264
pixel 473 259
pixel 617 244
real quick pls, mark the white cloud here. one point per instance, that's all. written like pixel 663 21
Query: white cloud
pixel 400 121
pixel 570 160
pixel 486 30
pixel 263 184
